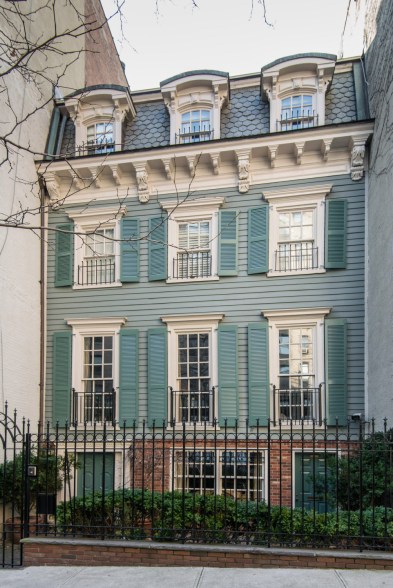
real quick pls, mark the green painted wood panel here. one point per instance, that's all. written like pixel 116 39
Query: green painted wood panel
pixel 336 370
pixel 64 254
pixel 157 343
pixel 228 390
pixel 129 368
pixel 258 374
pixel 336 234
pixel 129 247
pixel 227 256
pixel 96 472
pixel 62 343
pixel 258 240
pixel 158 260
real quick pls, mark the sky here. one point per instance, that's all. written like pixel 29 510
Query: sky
pixel 166 37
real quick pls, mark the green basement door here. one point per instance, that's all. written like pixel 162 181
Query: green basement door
pixel 90 473
pixel 310 473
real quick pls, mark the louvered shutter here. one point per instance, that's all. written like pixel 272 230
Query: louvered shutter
pixel 227 262
pixel 336 370
pixel 258 374
pixel 227 375
pixel 129 268
pixel 64 255
pixel 158 248
pixel 157 379
pixel 336 234
pixel 258 240
pixel 128 388
pixel 61 386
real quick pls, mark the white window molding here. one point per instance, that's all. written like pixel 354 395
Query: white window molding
pixel 291 200
pixel 195 91
pixel 101 105
pixel 308 318
pixel 297 77
pixel 87 221
pixel 86 327
pixel 195 324
pixel 203 209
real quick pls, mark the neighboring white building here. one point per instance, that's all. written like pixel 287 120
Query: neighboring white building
pixel 27 107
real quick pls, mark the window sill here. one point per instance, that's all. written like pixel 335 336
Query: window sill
pixel 90 286
pixel 275 274
pixel 188 280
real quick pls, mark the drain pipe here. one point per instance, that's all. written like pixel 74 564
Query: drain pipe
pixel 43 197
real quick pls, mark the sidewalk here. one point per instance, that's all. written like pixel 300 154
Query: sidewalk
pixel 141 577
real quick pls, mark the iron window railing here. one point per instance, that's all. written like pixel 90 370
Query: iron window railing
pixel 194 134
pixel 298 405
pixel 300 255
pixel 93 408
pixel 99 270
pixel 192 407
pixel 304 119
pixel 193 264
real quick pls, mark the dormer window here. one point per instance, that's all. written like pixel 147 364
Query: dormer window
pixel 99 113
pixel 195 127
pixel 297 112
pixel 194 101
pixel 296 90
pixel 100 138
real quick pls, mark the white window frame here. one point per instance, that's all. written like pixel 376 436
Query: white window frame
pixel 193 323
pixel 301 198
pixel 87 221
pixel 95 148
pixel 313 318
pixel 94 327
pixel 203 209
pixel 288 126
pixel 199 109
pixel 218 478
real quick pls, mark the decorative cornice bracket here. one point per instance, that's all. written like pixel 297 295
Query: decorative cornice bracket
pixel 358 152
pixel 299 147
pixel 243 166
pixel 272 154
pixel 216 162
pixel 142 178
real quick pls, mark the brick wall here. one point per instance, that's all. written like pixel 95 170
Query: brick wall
pixel 137 553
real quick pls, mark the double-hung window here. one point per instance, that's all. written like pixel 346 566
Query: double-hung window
pixel 297 113
pixel 100 138
pixel 296 357
pixel 98 265
pixel 236 473
pixel 96 404
pixel 194 256
pixel 195 126
pixel 296 248
pixel 193 239
pixel 193 402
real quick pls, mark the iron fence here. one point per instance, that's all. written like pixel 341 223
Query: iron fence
pixel 275 485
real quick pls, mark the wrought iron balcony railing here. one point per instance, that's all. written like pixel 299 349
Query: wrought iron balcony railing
pixel 96 271
pixel 301 255
pixel 192 407
pixel 301 119
pixel 193 264
pixel 93 407
pixel 298 405
pixel 194 134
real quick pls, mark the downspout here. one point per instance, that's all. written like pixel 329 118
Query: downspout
pixel 43 197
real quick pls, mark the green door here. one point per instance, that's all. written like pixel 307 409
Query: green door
pixel 310 479
pixel 91 470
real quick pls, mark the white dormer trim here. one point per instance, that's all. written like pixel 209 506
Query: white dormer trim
pixel 194 92
pixel 305 76
pixel 100 105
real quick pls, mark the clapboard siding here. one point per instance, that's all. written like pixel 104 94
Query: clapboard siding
pixel 242 298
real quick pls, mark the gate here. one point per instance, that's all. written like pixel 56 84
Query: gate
pixel 13 489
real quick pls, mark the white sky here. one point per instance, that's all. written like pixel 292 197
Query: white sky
pixel 220 34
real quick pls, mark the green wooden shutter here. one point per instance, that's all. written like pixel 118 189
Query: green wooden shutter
pixel 158 248
pixel 128 389
pixel 227 261
pixel 61 386
pixel 336 234
pixel 258 373
pixel 64 255
pixel 227 375
pixel 258 240
pixel 336 370
pixel 157 379
pixel 129 269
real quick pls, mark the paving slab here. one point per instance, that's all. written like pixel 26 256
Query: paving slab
pixel 173 577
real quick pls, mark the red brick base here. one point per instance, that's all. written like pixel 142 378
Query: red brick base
pixel 52 552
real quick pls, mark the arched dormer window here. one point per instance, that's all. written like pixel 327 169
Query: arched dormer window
pixel 296 87
pixel 100 137
pixel 194 101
